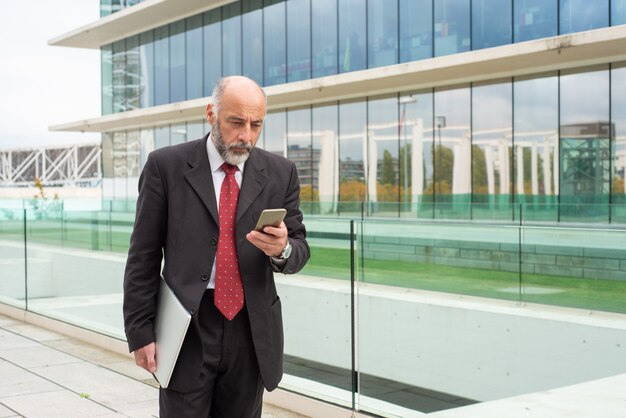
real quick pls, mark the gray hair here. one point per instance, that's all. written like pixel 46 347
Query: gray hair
pixel 220 87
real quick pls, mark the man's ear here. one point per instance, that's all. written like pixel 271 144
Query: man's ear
pixel 210 115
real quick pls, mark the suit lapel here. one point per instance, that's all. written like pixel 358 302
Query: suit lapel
pixel 254 180
pixel 200 178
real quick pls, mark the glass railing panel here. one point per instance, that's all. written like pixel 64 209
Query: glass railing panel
pixel 412 337
pixel 582 267
pixel 317 316
pixel 12 257
pixel 73 275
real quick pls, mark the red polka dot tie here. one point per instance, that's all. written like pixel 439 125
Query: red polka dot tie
pixel 228 287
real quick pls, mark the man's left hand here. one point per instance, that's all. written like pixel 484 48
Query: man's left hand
pixel 272 241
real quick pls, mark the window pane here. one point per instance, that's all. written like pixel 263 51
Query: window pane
pixel 584 144
pixel 535 19
pixel 381 168
pixel 132 73
pixel 618 119
pixel 107 79
pixel 326 156
pixel 178 134
pixel 491 23
pixel 275 128
pixel 161 66
pixel 618 12
pixel 231 39
pixel 120 172
pixel 416 151
pixel 492 146
pixel 382 35
pixel 580 15
pixel 275 44
pixel 299 40
pixel 324 37
pixel 452 26
pixel 352 137
pixel 119 76
pixel 212 34
pixel 147 145
pixel 416 30
pixel 452 150
pixel 193 57
pixel 195 130
pixel 252 27
pixel 133 147
pixel 352 35
pixel 161 137
pixel 107 165
pixel 146 56
pixel 177 62
pixel 299 148
pixel 536 144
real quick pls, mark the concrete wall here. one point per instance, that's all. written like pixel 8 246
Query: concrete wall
pixel 477 348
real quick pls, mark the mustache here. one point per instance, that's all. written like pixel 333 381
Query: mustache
pixel 241 145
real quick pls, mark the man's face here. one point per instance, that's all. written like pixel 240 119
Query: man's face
pixel 237 126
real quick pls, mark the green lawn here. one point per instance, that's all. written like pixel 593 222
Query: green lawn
pixel 604 295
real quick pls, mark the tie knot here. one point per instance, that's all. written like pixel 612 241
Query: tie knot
pixel 229 168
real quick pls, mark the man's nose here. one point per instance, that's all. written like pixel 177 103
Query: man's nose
pixel 245 134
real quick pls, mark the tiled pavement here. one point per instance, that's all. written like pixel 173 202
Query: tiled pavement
pixel 45 374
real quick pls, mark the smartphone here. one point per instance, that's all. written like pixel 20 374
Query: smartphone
pixel 270 217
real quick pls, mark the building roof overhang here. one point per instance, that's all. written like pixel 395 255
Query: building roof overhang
pixel 130 21
pixel 575 50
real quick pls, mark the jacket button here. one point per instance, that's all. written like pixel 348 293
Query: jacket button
pixel 205 277
pixel 192 311
pixel 214 241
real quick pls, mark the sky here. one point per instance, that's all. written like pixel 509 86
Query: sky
pixel 43 85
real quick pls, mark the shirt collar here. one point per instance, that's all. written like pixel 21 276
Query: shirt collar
pixel 215 159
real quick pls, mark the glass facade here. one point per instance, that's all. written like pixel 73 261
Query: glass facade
pixel 539 140
pixel 279 41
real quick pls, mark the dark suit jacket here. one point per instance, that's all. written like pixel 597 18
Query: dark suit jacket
pixel 177 219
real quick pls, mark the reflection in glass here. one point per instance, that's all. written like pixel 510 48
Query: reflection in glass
pixel 107 165
pixel 618 150
pixel 177 61
pixel 324 38
pixel 452 151
pixel 133 163
pixel 534 19
pixel 491 23
pixel 146 145
pixel 252 38
pixel 195 130
pixel 325 181
pixel 416 151
pixel 161 136
pixel 212 49
pixel 231 39
pixel 299 149
pixel 275 132
pixel 584 143
pixel 536 143
pixel 618 12
pixel 352 145
pixel 352 35
pixel 382 33
pixel 416 30
pixel 381 159
pixel 146 77
pixel 275 44
pixel 452 26
pixel 106 74
pixel 492 146
pixel 120 167
pixel 161 65
pixel 178 134
pixel 299 40
pixel 193 57
pixel 119 76
pixel 581 15
pixel 132 73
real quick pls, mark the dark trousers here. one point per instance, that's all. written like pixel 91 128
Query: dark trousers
pixel 231 383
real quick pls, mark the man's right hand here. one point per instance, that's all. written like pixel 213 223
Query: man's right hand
pixel 145 357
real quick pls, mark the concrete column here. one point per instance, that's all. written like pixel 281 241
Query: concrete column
pixel 534 169
pixel 505 166
pixel 371 153
pixel 417 159
pixel 328 170
pixel 520 169
pixel 491 184
pixel 547 174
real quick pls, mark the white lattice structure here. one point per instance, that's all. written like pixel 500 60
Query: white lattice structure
pixel 73 165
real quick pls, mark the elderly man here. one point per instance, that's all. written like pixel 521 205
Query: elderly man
pixel 197 207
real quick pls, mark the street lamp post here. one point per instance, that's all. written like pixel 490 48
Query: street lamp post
pixel 441 123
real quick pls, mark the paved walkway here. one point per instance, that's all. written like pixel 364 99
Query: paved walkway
pixel 45 374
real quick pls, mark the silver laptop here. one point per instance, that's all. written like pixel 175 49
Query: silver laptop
pixel 170 328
